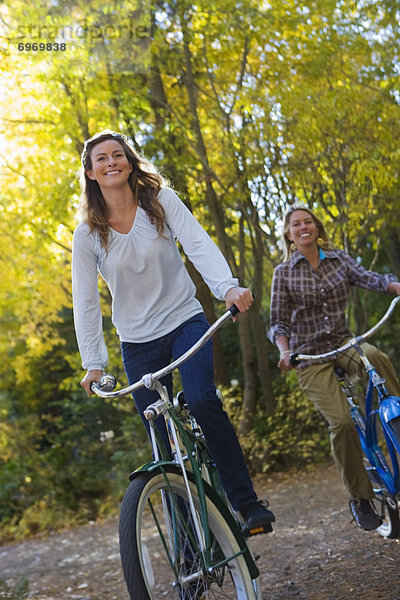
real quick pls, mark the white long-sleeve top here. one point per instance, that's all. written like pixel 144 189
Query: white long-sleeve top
pixel 152 292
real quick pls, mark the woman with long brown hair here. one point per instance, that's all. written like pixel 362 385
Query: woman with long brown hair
pixel 130 220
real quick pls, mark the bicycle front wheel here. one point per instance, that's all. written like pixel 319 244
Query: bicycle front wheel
pixel 387 507
pixel 159 550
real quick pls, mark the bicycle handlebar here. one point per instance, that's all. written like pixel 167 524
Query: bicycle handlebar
pixel 107 382
pixel 296 357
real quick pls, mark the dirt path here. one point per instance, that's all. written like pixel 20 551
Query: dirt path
pixel 313 554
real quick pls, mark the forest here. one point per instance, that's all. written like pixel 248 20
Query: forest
pixel 247 107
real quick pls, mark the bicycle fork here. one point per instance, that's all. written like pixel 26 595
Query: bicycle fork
pixel 200 527
pixel 161 407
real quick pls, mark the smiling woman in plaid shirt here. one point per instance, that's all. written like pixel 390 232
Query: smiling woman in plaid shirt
pixel 310 293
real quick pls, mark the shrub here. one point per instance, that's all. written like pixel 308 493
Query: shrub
pixel 292 436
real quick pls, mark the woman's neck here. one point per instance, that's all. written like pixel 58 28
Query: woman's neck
pixel 312 255
pixel 117 198
pixel 121 208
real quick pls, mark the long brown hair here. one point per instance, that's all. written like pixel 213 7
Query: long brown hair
pixel 144 180
pixel 287 244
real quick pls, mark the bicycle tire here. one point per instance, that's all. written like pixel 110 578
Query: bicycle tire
pixel 151 569
pixel 387 507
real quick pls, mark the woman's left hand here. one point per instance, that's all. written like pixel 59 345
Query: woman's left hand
pixel 394 287
pixel 284 361
pixel 241 297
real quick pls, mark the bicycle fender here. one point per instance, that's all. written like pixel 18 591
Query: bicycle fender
pixel 156 465
pixel 389 409
pixel 389 412
pixel 168 466
pixel 233 524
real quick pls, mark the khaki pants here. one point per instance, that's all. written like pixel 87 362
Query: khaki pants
pixel 320 384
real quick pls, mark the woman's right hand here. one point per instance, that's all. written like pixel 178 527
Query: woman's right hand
pixel 89 377
pixel 284 361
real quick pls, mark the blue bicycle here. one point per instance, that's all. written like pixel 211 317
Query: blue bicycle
pixel 378 428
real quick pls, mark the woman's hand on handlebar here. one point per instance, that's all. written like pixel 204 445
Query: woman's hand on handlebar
pixel 90 376
pixel 282 343
pixel 284 361
pixel 394 287
pixel 241 297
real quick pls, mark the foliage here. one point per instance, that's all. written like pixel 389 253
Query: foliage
pixel 247 107
pixel 64 459
pixel 68 469
pixel 293 436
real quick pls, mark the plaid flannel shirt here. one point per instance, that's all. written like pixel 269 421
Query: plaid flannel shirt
pixel 308 307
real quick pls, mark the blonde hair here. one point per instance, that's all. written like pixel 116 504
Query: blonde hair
pixel 144 180
pixel 287 244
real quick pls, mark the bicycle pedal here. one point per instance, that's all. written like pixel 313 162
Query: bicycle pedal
pixel 247 532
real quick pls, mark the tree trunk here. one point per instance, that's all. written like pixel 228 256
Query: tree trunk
pixel 214 205
pixel 249 374
pixel 257 325
pixel 264 371
pixel 160 108
pixel 251 215
pixel 393 250
pixel 248 354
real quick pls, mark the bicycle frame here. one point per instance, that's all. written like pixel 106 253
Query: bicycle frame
pixel 185 448
pixel 387 413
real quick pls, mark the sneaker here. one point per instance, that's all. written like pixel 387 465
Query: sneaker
pixel 257 518
pixel 364 514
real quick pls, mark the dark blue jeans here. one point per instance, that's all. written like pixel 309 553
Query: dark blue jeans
pixel 197 376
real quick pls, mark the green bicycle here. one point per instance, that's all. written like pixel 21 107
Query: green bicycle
pixel 179 536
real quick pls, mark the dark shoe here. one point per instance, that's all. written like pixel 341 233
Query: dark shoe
pixel 257 518
pixel 364 514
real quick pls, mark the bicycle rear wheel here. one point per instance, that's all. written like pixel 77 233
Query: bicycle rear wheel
pixel 159 554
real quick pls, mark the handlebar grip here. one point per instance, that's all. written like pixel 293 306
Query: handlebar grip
pixel 294 361
pixel 233 310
